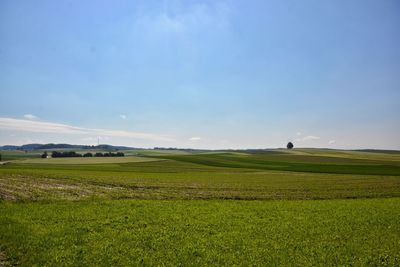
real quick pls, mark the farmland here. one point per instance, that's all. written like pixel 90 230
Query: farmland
pixel 264 207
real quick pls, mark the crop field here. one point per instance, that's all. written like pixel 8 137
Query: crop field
pixel 303 207
pixel 88 160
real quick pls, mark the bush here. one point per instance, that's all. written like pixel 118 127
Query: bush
pixel 66 154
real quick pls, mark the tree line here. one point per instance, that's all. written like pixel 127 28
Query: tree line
pixel 73 154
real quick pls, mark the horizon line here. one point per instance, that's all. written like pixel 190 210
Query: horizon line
pixel 189 148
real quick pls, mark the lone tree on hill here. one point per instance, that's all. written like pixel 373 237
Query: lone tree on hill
pixel 289 145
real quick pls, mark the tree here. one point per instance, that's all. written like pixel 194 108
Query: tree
pixel 88 154
pixel 44 155
pixel 0 157
pixel 66 154
pixel 289 145
pixel 55 154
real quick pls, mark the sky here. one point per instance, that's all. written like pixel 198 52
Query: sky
pixel 201 74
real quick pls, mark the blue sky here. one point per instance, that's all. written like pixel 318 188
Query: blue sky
pixel 202 74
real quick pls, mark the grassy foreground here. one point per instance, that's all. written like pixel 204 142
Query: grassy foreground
pixel 128 233
pixel 268 208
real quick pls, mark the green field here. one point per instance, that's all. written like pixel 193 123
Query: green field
pixel 273 207
pixel 88 160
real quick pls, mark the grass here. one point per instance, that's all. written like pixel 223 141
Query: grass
pixel 179 180
pixel 308 207
pixel 198 233
pixel 297 163
pixel 85 160
pixel 15 155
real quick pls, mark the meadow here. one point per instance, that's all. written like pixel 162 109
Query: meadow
pixel 303 207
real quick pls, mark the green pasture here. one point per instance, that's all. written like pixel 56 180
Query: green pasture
pixel 15 155
pixel 295 162
pixel 86 160
pixel 304 207
pixel 202 233
pixel 169 179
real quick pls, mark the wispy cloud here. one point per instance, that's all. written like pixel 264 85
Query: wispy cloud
pixel 331 142
pixel 195 138
pixel 51 127
pixel 122 116
pixel 177 20
pixel 308 138
pixel 30 117
pixel 39 126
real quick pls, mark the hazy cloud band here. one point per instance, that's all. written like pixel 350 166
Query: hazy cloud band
pixel 50 127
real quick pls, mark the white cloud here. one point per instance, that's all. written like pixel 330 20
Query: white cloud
pixel 30 117
pixel 195 138
pixel 122 116
pixel 331 142
pixel 298 133
pixel 50 127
